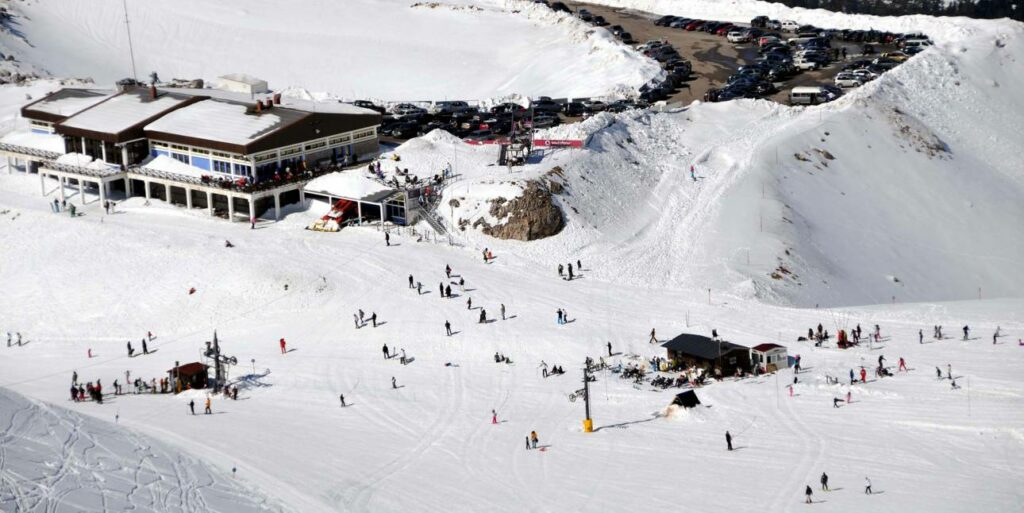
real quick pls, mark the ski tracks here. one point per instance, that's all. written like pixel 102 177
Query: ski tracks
pixel 812 455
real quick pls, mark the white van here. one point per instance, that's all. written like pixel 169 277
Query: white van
pixel 916 43
pixel 807 96
pixel 790 26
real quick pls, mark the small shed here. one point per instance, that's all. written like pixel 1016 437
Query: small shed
pixel 687 399
pixel 189 376
pixel 242 83
pixel 700 351
pixel 770 357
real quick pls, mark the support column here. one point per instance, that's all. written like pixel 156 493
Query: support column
pixel 277 207
pixel 302 196
pixel 103 191
pixel 231 208
pixel 188 197
pixel 10 167
pixel 60 180
pixel 103 151
pixel 252 209
pixel 147 189
pixel 124 156
pixel 359 211
pixel 42 182
pixel 81 192
pixel 209 202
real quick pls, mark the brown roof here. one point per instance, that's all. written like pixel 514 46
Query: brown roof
pixel 50 109
pixel 189 368
pixel 766 347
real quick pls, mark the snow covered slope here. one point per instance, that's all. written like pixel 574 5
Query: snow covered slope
pixel 52 459
pixel 384 49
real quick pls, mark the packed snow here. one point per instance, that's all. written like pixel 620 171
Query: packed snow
pixel 35 140
pixel 215 120
pixel 897 206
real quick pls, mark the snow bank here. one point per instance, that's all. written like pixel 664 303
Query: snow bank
pixel 44 142
pixel 349 184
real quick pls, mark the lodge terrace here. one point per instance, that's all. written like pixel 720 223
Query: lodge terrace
pixel 223 151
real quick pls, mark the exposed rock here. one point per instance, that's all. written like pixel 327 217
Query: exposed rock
pixel 531 216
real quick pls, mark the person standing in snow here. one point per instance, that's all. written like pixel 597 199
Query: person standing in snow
pixel 503 311
pixel 362 316
pixel 342 397
pixel 419 289
pixel 355 318
pixel 903 365
pixel 863 375
pixel 448 328
pixel 440 286
pixel 283 344
pixel 849 397
pixel 824 482
pixel 579 266
pixel 208 410
pixel 966 331
pixel 494 417
pixel 728 441
pixel 483 316
pixel 653 339
pixel 410 281
pixel 570 271
pixel 131 350
pixel 938 373
pixel 448 271
pixel 949 371
pixel 394 384
pixel 693 175
pixel 448 291
pixel 559 313
pixel 145 348
pixel 609 349
pixel 192 406
pixel 533 439
pixel 851 376
pixel 867 485
pixel 808 493
pixel 462 284
pixel 387 354
pixel 387 238
pixel 560 270
pixel 373 319
pixel 920 336
pixel 469 304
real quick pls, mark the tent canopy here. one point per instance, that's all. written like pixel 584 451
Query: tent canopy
pixel 687 399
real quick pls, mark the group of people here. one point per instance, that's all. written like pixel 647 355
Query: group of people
pixel 10 339
pixel 361 320
pixel 808 492
pixel 570 275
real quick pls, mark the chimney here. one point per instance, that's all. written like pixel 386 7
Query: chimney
pixel 152 92
pixel 259 106
pixel 277 98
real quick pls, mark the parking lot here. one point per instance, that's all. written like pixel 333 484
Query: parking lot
pixel 713 58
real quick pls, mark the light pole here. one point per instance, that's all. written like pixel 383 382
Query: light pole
pixel 588 423
pixel 253 366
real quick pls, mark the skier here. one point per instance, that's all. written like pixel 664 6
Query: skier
pixel 192 406
pixel 387 238
pixel 462 284
pixel 485 255
pixel 355 319
pixel 448 327
pixel 362 316
pixel 693 175
pixel 448 291
pixel 938 373
pixel 995 335
pixel 394 384
pixel 149 335
pixel 342 397
pixel 579 266
pixel 131 350
pixel 448 271
pixel 851 376
pixel 544 368
pixel 728 440
pixel 208 409
pixel 835 402
pixel 561 318
pixel 714 334
pixel 849 397
pixel 373 319
pixel 863 375
pixel 949 371
pixel 441 287
pixel 808 493
pixel 570 272
pixel 8 339
pixel 533 439
pixel 74 393
pixel 483 316
pixel 867 485
pixel 494 417
pixel 903 365
pixel 653 339
pixel 145 349
pixel 410 281
pixel 386 353
pixel 920 336
pixel 609 349
pixel 966 331
pixel 282 346
pixel 503 311
pixel 74 377
pixel 824 482
pixel 469 304
pixel 560 269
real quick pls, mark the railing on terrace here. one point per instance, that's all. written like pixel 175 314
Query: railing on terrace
pixel 25 150
pixel 81 170
pixel 237 185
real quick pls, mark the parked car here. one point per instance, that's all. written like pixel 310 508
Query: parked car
pixel 366 104
pixel 759 21
pixel 789 26
pixel 584 15
pixel 545 105
pixel 665 21
pixel 574 109
pixel 508 108
pixel 599 21
pixel 448 107
pixel 736 36
pixel 594 105
pixel 405 130
pixel 407 109
pixel 773 25
pixel 847 79
pixel 559 6
pixel 627 38
pixel 680 23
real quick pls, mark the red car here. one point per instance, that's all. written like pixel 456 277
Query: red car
pixel 694 24
pixel 724 29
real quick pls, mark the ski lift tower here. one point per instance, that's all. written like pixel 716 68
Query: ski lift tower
pixel 220 362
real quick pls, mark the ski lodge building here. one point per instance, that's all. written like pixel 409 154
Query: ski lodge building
pixel 224 151
pixel 700 351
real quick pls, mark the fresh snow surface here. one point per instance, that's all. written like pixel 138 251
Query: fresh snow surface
pixel 349 184
pixel 35 140
pixel 70 105
pixel 121 112
pixel 170 165
pixel 54 459
pixel 216 120
pixel 383 49
pixel 293 98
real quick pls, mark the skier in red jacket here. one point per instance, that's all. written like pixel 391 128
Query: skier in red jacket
pixel 282 347
pixel 863 373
